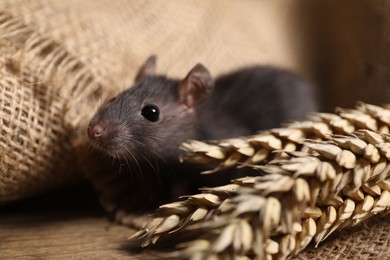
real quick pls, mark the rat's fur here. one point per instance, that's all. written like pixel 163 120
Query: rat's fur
pixel 241 103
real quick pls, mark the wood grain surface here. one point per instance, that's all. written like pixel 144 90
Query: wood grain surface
pixel 68 224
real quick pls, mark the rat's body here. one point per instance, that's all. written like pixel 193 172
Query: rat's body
pixel 252 99
pixel 145 125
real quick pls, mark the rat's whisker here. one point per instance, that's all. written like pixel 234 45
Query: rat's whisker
pixel 128 152
pixel 156 172
pixel 157 154
pixel 124 157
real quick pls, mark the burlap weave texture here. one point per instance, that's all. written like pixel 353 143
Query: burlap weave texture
pixel 61 59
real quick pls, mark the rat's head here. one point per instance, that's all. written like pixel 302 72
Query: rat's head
pixel 152 117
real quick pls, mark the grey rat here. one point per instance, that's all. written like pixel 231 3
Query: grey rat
pixel 145 125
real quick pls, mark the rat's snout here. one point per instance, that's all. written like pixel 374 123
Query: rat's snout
pixel 107 136
pixel 97 131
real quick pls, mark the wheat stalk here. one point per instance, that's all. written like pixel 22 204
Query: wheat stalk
pixel 260 148
pixel 305 195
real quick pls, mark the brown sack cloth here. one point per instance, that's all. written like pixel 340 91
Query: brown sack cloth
pixel 61 59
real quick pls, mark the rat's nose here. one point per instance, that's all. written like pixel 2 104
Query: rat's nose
pixel 97 131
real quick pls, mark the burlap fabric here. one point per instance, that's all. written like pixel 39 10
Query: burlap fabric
pixel 59 60
pixel 368 240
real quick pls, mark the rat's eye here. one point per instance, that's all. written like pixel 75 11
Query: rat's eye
pixel 150 112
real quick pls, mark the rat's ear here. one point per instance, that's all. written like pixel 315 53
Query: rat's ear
pixel 147 69
pixel 196 86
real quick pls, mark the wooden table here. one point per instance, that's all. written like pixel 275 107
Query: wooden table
pixel 68 224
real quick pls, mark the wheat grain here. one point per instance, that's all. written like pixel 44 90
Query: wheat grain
pixel 336 179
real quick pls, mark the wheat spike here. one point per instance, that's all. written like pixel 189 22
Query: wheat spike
pixel 333 181
pixel 258 149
